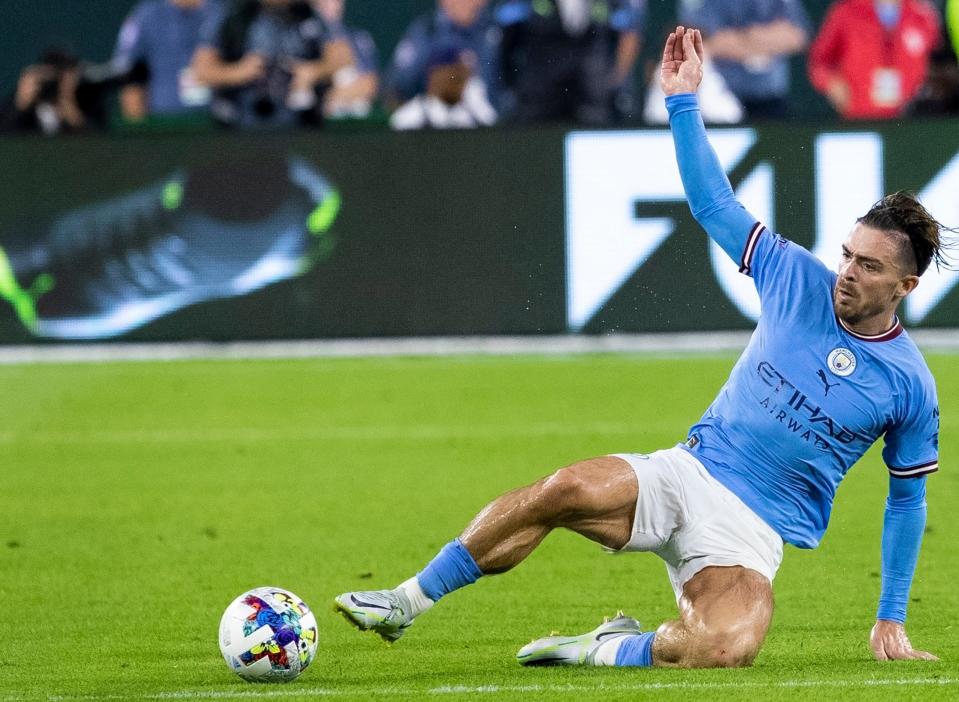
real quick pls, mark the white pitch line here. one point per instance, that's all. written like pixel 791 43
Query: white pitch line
pixel 417 432
pixel 662 344
pixel 495 689
pixel 260 693
pixel 690 342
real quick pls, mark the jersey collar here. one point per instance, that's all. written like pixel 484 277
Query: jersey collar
pixel 895 330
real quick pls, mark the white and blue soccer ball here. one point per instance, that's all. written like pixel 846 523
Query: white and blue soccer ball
pixel 268 635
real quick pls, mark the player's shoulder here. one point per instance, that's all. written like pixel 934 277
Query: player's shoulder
pixel 773 245
pixel 905 359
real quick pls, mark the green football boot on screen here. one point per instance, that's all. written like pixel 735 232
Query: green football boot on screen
pixel 215 232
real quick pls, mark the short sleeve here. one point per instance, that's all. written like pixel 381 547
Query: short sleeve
pixel 781 269
pixel 912 444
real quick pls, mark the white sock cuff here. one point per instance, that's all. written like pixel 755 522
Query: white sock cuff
pixel 418 599
pixel 606 652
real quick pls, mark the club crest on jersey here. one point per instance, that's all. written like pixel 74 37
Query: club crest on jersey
pixel 841 362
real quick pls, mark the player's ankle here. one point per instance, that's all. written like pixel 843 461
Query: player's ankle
pixel 631 650
pixel 452 568
pixel 419 601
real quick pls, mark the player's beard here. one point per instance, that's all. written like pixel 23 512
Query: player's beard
pixel 852 309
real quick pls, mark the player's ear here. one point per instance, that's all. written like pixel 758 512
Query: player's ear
pixel 907 285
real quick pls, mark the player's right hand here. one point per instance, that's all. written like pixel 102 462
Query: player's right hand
pixel 682 67
pixel 889 642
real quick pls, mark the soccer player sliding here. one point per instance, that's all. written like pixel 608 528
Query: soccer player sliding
pixel 827 372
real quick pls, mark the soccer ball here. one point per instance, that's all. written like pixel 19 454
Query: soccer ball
pixel 268 635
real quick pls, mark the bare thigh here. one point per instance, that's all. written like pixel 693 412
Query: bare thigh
pixel 595 498
pixel 605 508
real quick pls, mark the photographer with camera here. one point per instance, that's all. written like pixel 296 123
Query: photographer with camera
pixel 266 62
pixel 57 94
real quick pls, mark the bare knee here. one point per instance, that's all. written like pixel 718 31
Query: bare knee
pixel 725 614
pixel 677 646
pixel 725 650
pixel 586 488
pixel 565 489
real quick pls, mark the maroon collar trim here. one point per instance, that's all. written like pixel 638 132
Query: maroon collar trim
pixel 895 330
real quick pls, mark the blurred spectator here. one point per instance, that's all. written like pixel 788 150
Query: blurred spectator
pixel 570 59
pixel 354 86
pixel 265 61
pixel 58 94
pixel 871 57
pixel 155 46
pixel 717 103
pixel 462 24
pixel 751 41
pixel 940 93
pixel 454 97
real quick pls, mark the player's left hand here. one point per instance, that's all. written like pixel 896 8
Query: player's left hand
pixel 682 68
pixel 890 643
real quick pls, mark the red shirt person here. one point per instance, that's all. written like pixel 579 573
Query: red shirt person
pixel 871 56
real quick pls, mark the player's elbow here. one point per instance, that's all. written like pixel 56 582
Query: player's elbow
pixel 705 211
pixel 722 222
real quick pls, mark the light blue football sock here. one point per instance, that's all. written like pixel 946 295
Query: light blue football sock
pixel 636 650
pixel 452 568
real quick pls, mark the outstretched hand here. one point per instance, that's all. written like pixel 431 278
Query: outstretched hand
pixel 682 67
pixel 889 642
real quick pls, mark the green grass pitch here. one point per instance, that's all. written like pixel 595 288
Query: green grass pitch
pixel 138 499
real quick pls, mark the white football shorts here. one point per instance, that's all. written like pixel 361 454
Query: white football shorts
pixel 691 520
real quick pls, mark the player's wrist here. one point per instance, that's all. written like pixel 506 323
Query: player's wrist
pixel 681 102
pixel 889 620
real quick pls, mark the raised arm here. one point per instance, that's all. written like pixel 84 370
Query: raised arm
pixel 708 191
pixel 902 529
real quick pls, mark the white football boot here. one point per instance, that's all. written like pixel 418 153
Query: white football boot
pixel 385 612
pixel 577 650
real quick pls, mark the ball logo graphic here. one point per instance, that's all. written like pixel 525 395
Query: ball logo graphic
pixel 268 635
pixel 841 362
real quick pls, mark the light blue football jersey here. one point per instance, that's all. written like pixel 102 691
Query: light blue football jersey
pixel 808 397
